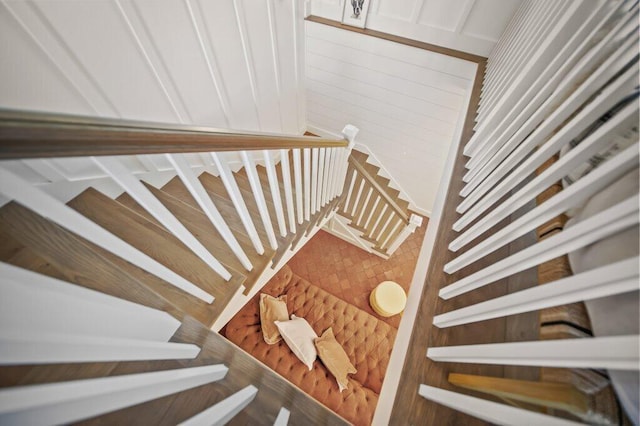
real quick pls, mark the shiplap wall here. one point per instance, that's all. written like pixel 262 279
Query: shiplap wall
pixel 234 64
pixel 408 103
pixel 472 26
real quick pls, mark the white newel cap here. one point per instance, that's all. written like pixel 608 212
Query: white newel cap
pixel 415 220
pixel 349 132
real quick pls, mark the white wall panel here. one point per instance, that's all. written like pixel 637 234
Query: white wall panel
pixel 288 51
pixel 399 9
pixel 444 15
pixel 407 102
pixel 426 92
pixel 45 86
pixel 389 49
pixel 420 74
pixel 258 35
pixel 99 37
pixel 403 116
pixel 393 97
pixel 230 64
pixel 180 53
pixel 223 36
pixel 471 26
pixel 496 13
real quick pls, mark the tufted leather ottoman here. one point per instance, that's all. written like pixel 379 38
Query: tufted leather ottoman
pixel 366 340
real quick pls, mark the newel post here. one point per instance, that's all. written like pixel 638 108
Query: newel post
pixel 414 222
pixel 349 132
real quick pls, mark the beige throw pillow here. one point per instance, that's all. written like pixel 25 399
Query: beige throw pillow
pixel 334 358
pixel 299 336
pixel 272 309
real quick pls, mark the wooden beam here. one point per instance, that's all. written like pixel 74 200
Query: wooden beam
pixel 26 134
pixel 402 40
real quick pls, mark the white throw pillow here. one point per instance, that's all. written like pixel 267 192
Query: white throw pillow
pixel 299 336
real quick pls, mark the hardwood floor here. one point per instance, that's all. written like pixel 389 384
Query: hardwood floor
pixel 409 407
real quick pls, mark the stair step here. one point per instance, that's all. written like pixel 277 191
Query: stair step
pixel 216 189
pixel 273 391
pixel 219 195
pixel 157 243
pixel 85 264
pixel 198 223
pixel 243 182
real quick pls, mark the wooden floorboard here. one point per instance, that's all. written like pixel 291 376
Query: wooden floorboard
pixel 274 391
pixel 409 407
pixel 159 244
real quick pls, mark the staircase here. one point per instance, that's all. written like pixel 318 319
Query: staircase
pixel 108 302
pixel 373 214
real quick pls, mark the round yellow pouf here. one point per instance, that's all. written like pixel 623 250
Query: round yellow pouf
pixel 388 299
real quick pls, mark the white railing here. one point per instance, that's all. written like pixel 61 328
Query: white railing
pixel 380 222
pixel 47 321
pixel 560 98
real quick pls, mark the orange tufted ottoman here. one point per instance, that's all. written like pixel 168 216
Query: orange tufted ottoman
pixel 366 340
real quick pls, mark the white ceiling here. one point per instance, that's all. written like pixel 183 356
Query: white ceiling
pixel 471 26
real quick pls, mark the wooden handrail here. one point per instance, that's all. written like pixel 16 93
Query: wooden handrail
pixel 379 189
pixel 35 135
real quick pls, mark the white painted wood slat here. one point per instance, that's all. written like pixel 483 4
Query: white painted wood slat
pixel 610 352
pixel 288 191
pixel 366 203
pixel 548 37
pixel 513 151
pixel 283 417
pixel 297 173
pixel 358 195
pixel 321 177
pixel 235 195
pixel 307 183
pixel 37 347
pixel 545 82
pixel 492 412
pixel 256 188
pixel 275 191
pixel 373 209
pixel 615 278
pixel 123 177
pixel 66 402
pixel 571 197
pixel 45 205
pixel 608 222
pixel 199 194
pixel 222 412
pixel 414 222
pixel 522 119
pixel 314 180
pixel 326 176
pixel 555 12
pixel 609 97
pixel 34 302
pixel 352 184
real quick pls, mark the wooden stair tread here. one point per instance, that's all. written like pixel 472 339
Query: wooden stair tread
pixel 243 182
pixel 157 243
pixel 78 260
pixel 197 222
pixel 274 391
pixel 218 193
pixel 216 190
